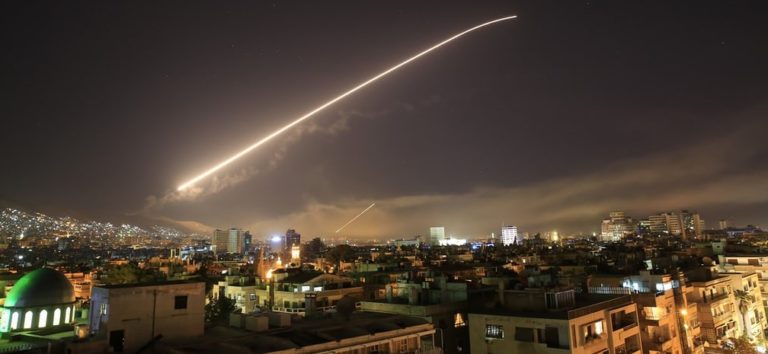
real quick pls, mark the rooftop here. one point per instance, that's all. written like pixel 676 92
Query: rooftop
pixel 302 333
pixel 585 304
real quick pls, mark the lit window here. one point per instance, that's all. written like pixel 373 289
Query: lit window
pixel 28 320
pixel 599 327
pixel 15 320
pixel 56 317
pixel 67 313
pixel 458 321
pixel 43 319
pixel 103 309
pixel 494 331
pixel 304 288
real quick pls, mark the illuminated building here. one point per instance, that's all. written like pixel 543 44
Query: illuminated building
pixel 716 303
pixel 132 315
pixel 617 226
pixel 692 224
pixel 556 321
pixel 509 236
pixel 43 298
pixel 229 241
pixel 450 241
pixel 749 263
pixel 436 234
pixel 667 223
pixel 723 224
pixel 292 238
pixel 749 302
pixel 668 323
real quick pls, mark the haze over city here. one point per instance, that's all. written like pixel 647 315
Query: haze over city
pixel 548 121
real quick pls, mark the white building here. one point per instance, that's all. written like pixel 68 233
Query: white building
pixel 436 234
pixel 510 236
pixel 132 315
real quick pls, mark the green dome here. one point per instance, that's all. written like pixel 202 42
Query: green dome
pixel 42 287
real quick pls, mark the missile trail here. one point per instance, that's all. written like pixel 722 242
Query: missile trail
pixel 355 218
pixel 325 105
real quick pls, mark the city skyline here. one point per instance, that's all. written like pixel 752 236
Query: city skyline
pixel 549 122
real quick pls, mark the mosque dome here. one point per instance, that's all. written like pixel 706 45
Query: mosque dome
pixel 42 287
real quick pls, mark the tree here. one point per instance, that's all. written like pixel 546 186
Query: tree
pixel 130 274
pixel 314 248
pixel 339 254
pixel 745 301
pixel 742 346
pixel 217 310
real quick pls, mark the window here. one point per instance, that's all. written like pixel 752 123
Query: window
pixel 15 320
pixel 524 334
pixel 402 346
pixel 28 320
pixel 56 317
pixel 43 319
pixel 180 302
pixel 252 297
pixel 67 313
pixel 458 321
pixel 494 331
pixel 103 309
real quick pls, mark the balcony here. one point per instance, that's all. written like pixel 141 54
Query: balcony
pixel 624 323
pixel 715 298
pixel 624 349
pixel 660 343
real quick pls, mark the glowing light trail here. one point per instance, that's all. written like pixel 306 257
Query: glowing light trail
pixel 355 218
pixel 325 105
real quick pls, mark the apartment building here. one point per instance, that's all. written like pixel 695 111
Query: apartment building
pixel 556 321
pixel 743 263
pixel 749 303
pixel 668 323
pixel 715 301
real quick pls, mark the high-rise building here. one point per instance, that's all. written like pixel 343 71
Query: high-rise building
pixel 685 224
pixel 509 236
pixel 436 234
pixel 692 224
pixel 617 226
pixel 666 223
pixel 723 224
pixel 229 241
pixel 292 238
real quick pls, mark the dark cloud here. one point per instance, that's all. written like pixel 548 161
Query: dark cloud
pixel 550 121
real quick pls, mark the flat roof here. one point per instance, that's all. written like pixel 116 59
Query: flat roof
pixel 155 283
pixel 301 333
pixel 585 304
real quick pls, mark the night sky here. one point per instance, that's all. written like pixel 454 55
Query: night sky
pixel 549 121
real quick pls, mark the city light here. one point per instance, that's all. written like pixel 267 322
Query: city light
pixel 269 137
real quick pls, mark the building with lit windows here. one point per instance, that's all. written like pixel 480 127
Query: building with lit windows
pixel 556 321
pixel 509 236
pixel 41 299
pixel 617 226
pixel 436 234
pixel 230 241
pixel 668 323
pixel 718 314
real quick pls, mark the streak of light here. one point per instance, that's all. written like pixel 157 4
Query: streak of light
pixel 325 105
pixel 355 218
